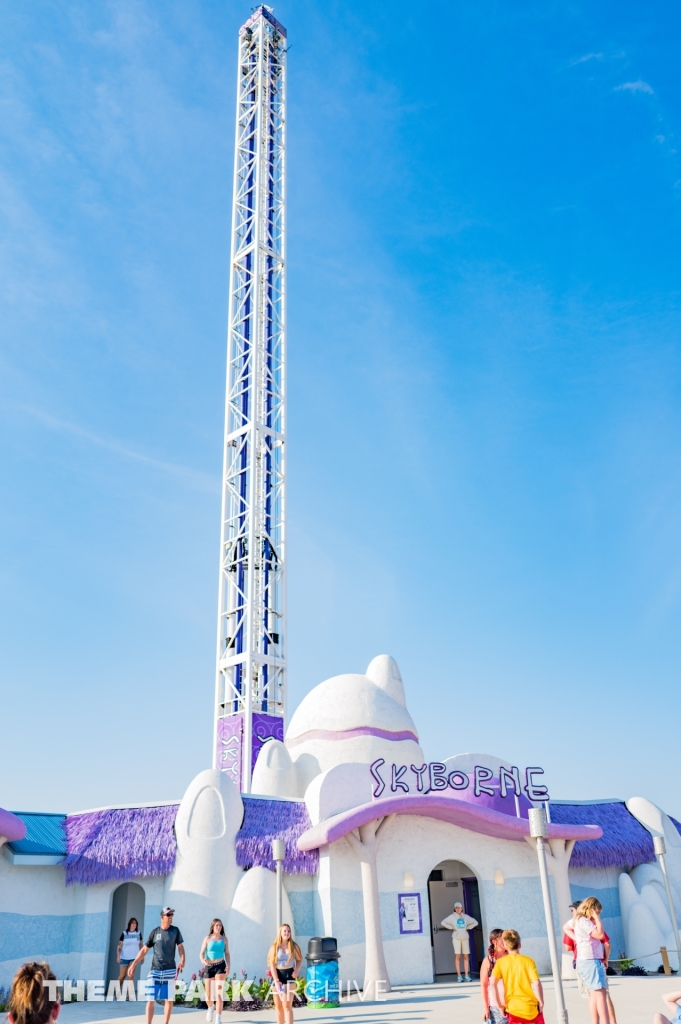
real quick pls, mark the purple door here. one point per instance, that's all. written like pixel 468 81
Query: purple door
pixel 471 904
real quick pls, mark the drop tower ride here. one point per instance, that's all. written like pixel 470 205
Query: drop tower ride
pixel 250 691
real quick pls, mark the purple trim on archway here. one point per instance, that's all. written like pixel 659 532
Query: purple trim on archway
pixel 348 734
pixel 484 820
pixel 11 826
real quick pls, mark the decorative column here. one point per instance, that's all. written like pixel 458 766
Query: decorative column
pixel 365 845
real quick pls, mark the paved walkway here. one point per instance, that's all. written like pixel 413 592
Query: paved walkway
pixel 635 999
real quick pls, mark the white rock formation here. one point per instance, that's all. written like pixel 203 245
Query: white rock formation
pixel 646 923
pixel 205 876
pixel 659 824
pixel 649 884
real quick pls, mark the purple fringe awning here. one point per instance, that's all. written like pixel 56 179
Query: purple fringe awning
pixel 265 820
pixel 624 843
pixel 120 844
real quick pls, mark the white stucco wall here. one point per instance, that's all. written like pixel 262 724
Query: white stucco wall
pixel 42 919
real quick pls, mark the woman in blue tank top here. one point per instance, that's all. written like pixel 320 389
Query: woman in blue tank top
pixel 215 958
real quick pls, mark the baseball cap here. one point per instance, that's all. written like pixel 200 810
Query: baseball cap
pixel 167 911
pixel 458 904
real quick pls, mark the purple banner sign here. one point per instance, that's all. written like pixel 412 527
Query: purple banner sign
pixel 229 746
pixel 230 741
pixel 265 727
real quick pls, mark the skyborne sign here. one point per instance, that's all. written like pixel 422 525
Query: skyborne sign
pixel 435 776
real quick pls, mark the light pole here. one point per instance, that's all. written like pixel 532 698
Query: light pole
pixel 660 850
pixel 539 830
pixel 278 854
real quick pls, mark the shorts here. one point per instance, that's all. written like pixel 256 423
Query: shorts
pixel 462 944
pixel 217 967
pixel 496 1016
pixel 285 975
pixel 592 973
pixel 158 980
pixel 512 1019
pixel 126 963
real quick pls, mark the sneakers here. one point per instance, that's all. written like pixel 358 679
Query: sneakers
pixel 459 978
pixel 210 1014
pixel 468 977
pixel 218 1019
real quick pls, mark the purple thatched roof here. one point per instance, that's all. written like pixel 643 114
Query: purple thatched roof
pixel 120 843
pixel 128 842
pixel 265 820
pixel 625 842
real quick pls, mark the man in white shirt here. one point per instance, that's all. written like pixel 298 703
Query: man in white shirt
pixel 459 924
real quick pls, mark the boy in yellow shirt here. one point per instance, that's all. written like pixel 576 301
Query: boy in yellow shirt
pixel 523 997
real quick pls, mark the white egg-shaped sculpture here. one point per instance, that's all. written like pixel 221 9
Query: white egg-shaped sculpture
pixel 275 773
pixel 252 921
pixel 341 788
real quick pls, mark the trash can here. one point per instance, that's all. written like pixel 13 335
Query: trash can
pixel 323 986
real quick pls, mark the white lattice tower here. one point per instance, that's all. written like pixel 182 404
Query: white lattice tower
pixel 250 683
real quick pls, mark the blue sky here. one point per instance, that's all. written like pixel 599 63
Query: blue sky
pixel 484 381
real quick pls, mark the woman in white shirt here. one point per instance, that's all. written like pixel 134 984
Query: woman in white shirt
pixel 587 932
pixel 284 961
pixel 129 946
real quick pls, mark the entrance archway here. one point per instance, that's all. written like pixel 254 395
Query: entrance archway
pixel 449 882
pixel 128 901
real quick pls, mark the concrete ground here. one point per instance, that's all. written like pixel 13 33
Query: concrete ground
pixel 635 999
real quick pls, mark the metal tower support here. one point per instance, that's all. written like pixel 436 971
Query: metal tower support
pixel 250 678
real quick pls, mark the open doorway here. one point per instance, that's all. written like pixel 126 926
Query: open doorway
pixel 128 901
pixel 452 881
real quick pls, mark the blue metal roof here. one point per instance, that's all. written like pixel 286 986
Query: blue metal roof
pixel 44 834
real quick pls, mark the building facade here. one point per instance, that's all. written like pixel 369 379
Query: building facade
pixel 379 847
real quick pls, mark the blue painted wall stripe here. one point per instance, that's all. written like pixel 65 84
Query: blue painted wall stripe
pixel 23 935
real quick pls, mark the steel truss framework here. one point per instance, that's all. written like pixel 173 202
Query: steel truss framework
pixel 251 612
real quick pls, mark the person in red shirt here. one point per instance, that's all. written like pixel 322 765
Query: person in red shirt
pixel 606 957
pixel 567 939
